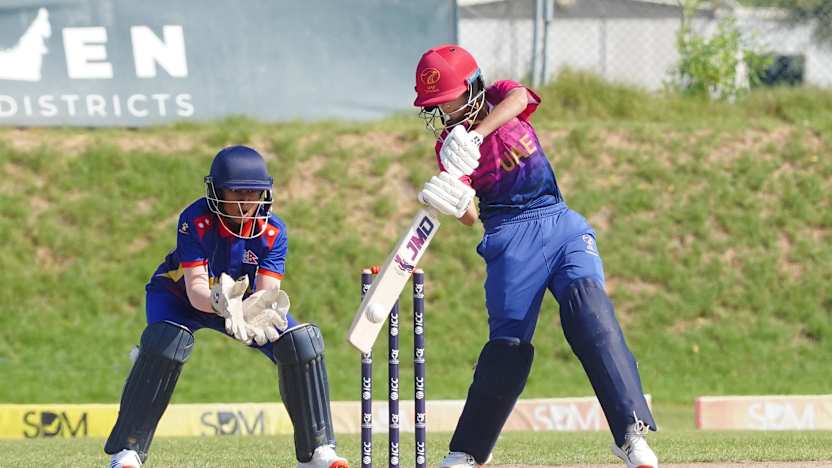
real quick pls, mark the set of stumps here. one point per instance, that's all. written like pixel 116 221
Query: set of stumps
pixel 393 379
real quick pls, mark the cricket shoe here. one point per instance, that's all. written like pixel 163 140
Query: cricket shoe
pixel 635 452
pixel 126 459
pixel 461 460
pixel 325 457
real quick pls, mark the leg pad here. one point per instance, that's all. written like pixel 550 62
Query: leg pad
pixel 304 388
pixel 502 370
pixel 592 330
pixel 163 350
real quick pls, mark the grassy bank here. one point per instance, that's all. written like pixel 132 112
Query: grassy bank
pixel 713 221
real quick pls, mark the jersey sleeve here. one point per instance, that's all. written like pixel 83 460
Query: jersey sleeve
pixel 189 251
pixel 500 89
pixel 274 264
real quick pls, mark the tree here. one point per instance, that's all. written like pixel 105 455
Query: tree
pixel 711 65
pixel 818 12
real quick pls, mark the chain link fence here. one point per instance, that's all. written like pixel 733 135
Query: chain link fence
pixel 632 41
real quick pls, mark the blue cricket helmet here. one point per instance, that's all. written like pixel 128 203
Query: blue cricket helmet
pixel 240 168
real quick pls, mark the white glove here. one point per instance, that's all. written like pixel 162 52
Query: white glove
pixel 447 194
pixel 265 314
pixel 460 153
pixel 227 302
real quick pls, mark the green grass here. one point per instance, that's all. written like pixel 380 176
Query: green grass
pixel 515 448
pixel 713 220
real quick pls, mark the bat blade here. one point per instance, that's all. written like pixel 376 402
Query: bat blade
pixel 391 280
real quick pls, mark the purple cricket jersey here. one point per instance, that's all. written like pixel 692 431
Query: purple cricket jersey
pixel 514 173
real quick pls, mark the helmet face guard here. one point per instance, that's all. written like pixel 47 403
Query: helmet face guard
pixel 438 121
pixel 241 225
pixel 240 168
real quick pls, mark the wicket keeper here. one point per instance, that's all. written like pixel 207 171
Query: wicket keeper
pixel 225 274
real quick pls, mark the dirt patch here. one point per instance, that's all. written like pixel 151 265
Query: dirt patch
pixel 143 207
pixel 263 145
pixel 804 337
pixel 38 206
pixel 619 140
pixel 786 265
pixel 549 137
pixel 403 195
pixel 138 244
pixel 49 261
pixel 718 231
pixel 752 141
pixel 17 173
pixel 727 256
pixel 601 219
pixel 27 140
pixel 633 286
pixel 73 144
pixel 157 144
pixel 818 234
pixel 382 142
pixel 304 184
pixel 399 192
pixel 682 326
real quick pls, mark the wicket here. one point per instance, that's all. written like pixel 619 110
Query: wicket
pixel 393 380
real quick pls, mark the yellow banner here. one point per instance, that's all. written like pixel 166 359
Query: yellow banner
pixel 34 421
pixel 236 419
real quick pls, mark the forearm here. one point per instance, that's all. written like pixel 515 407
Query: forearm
pixel 515 102
pixel 198 288
pixel 470 216
pixel 263 282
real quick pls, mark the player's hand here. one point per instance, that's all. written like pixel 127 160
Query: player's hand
pixel 266 313
pixel 447 194
pixel 460 153
pixel 227 302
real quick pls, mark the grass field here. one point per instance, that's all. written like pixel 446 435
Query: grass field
pixel 714 221
pixel 587 449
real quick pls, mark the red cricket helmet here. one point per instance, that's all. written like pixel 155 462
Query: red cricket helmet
pixel 443 73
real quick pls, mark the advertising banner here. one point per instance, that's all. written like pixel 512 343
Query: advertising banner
pixel 764 413
pixel 221 419
pixel 111 63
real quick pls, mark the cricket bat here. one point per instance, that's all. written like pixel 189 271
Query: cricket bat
pixel 391 280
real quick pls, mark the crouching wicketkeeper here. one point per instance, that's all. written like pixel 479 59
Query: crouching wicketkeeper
pixel 225 274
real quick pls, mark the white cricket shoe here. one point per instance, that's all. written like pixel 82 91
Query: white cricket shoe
pixel 635 452
pixel 325 457
pixel 126 459
pixel 461 460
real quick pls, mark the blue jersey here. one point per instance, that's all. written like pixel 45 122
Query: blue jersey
pixel 203 240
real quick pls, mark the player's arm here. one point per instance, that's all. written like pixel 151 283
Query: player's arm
pixel 263 282
pixel 225 298
pixel 470 216
pixel 273 266
pixel 198 288
pixel 514 103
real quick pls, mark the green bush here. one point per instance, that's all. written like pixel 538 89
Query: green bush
pixel 709 66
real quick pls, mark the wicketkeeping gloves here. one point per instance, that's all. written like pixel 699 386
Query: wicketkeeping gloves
pixel 447 194
pixel 227 302
pixel 266 313
pixel 460 152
